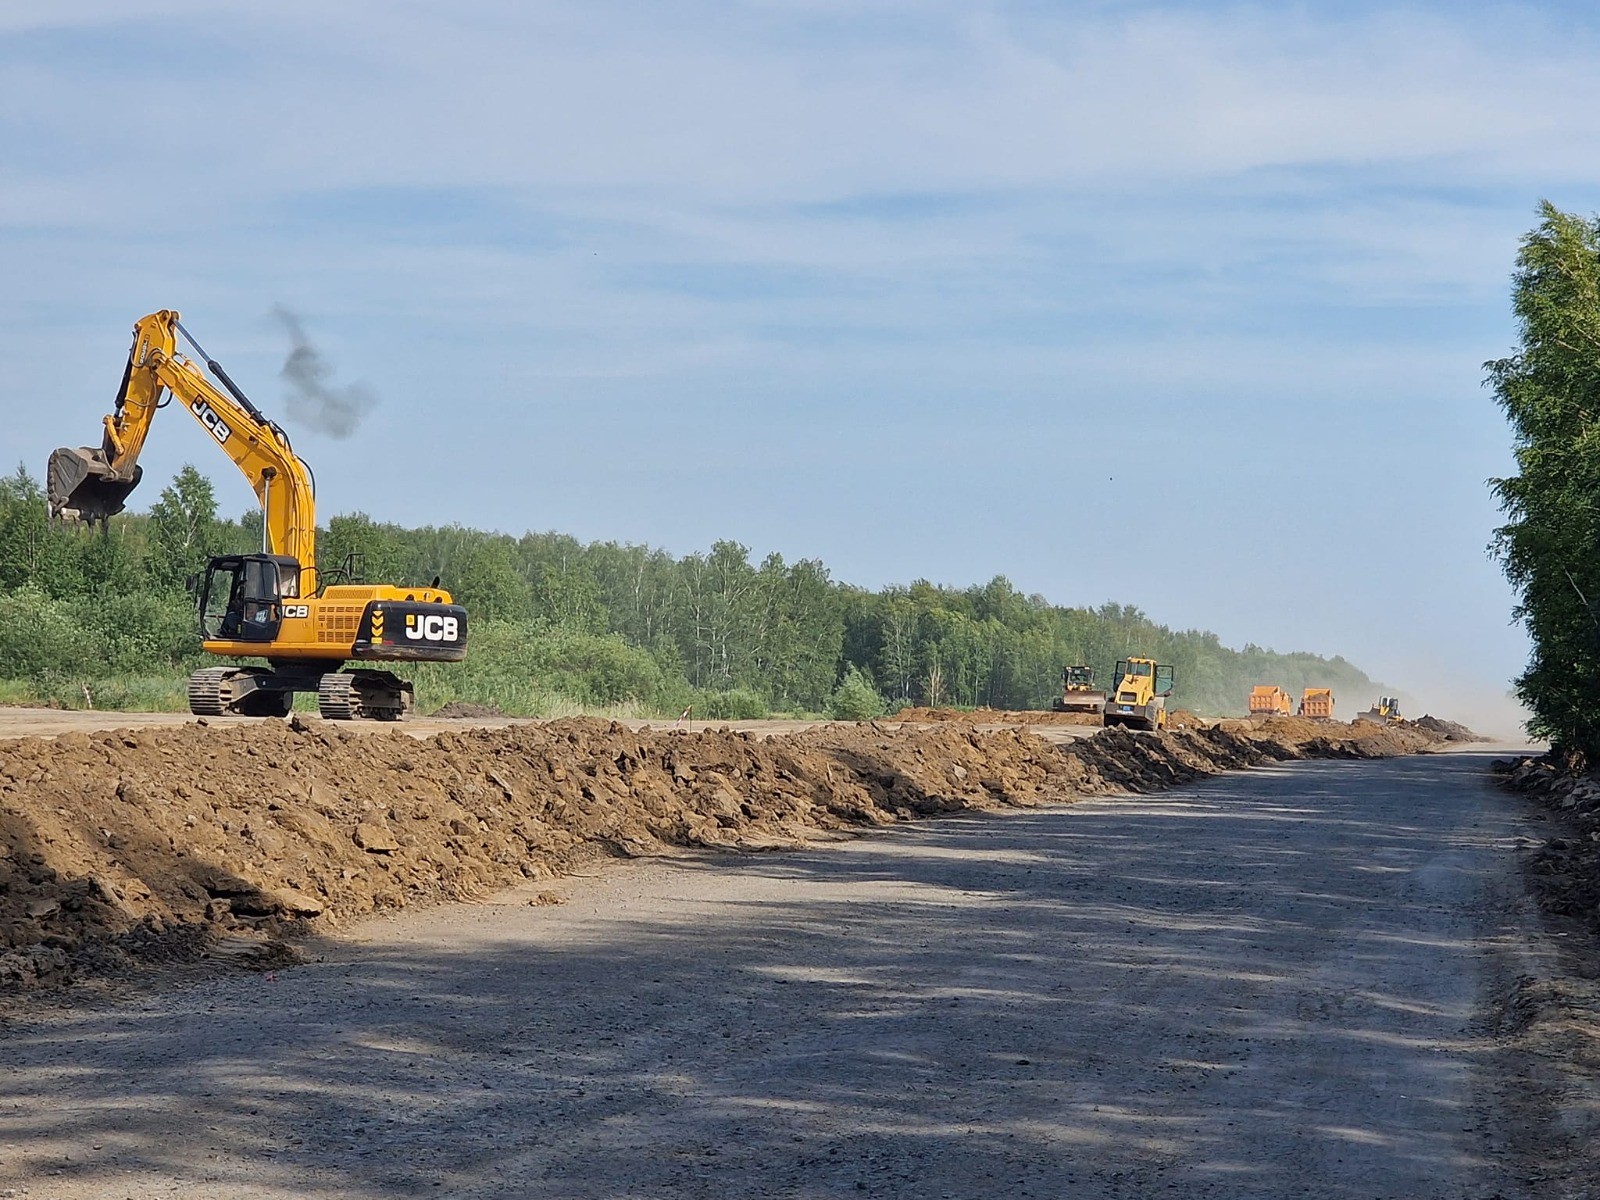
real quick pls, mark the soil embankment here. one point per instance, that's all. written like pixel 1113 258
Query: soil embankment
pixel 1565 871
pixel 170 841
pixel 993 716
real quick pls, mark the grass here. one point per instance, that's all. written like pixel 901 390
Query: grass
pixel 170 694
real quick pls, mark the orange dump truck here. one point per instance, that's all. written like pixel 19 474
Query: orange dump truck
pixel 1317 703
pixel 1269 700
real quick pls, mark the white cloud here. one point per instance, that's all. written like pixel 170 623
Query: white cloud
pixel 626 98
pixel 939 213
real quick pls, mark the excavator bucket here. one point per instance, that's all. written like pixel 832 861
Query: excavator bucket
pixel 82 486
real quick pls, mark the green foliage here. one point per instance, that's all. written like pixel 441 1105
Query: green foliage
pixel 597 668
pixel 736 704
pixel 142 633
pixel 373 551
pixel 522 667
pixel 122 693
pixel 1550 391
pixel 557 625
pixel 855 699
pixel 183 530
pixel 43 639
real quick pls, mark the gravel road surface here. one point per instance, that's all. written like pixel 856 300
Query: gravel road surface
pixel 1277 983
pixel 52 722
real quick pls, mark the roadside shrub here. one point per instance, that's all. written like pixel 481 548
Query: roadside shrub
pixel 855 699
pixel 142 633
pixel 738 704
pixel 160 693
pixel 40 638
pixel 600 668
pixel 527 668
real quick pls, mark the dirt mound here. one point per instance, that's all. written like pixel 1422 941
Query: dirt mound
pixel 128 843
pixel 993 716
pixel 1450 731
pixel 1566 870
pixel 463 710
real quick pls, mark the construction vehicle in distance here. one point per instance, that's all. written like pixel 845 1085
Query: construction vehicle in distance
pixel 1270 700
pixel 1078 693
pixel 1140 698
pixel 1386 710
pixel 1317 703
pixel 273 605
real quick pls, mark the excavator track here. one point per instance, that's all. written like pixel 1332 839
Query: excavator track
pixel 363 695
pixel 206 689
pixel 337 697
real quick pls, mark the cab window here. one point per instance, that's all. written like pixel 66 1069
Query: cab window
pixel 241 601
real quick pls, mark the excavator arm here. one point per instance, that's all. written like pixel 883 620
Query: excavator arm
pixel 92 485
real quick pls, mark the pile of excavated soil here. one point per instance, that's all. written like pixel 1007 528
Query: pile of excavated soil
pixel 1566 870
pixel 160 842
pixel 1450 731
pixel 994 716
pixel 465 710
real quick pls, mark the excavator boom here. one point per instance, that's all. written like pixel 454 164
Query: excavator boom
pixel 92 484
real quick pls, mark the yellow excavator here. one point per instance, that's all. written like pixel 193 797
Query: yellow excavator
pixel 273 605
pixel 1139 700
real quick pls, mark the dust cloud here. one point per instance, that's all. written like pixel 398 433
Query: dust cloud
pixel 313 401
pixel 1485 706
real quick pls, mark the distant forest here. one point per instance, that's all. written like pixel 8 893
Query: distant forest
pixel 559 626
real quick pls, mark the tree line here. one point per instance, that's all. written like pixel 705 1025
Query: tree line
pixel 555 622
pixel 1549 389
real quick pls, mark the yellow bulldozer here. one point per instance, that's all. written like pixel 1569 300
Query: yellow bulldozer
pixel 1385 711
pixel 1078 692
pixel 1139 700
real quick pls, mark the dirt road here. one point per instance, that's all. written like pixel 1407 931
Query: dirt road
pixel 1272 984
pixel 52 722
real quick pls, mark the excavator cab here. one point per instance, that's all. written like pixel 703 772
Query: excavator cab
pixel 242 597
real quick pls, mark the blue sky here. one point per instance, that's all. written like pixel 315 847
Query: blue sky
pixel 1178 305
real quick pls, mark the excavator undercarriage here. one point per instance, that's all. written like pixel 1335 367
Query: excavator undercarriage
pixel 263 692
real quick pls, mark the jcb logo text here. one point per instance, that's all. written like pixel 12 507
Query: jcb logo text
pixel 211 421
pixel 432 628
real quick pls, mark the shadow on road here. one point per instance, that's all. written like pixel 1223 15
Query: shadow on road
pixel 1264 985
